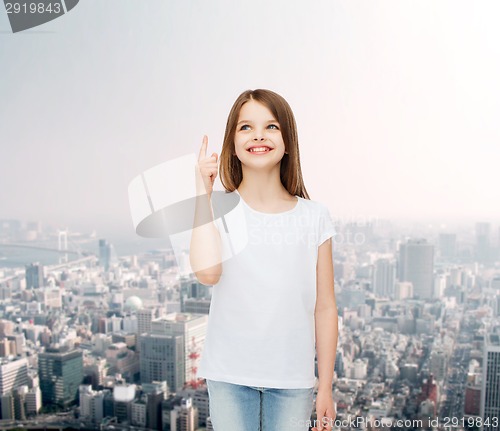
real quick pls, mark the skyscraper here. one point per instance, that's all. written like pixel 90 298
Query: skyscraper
pixel 162 359
pixel 416 264
pixel 13 374
pixel 192 327
pixel 61 373
pixel 34 275
pixel 483 243
pixel 107 254
pixel 490 393
pixel 384 278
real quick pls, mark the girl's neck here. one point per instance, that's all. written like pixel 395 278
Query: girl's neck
pixel 262 187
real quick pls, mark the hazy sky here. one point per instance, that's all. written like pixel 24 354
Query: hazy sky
pixel 397 102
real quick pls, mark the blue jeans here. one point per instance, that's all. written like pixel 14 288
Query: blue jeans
pixel 251 408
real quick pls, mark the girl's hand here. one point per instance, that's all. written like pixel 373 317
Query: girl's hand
pixel 325 411
pixel 206 169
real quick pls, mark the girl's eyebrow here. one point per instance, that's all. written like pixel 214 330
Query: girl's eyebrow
pixel 246 121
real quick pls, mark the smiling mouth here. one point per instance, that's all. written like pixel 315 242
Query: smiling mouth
pixel 259 150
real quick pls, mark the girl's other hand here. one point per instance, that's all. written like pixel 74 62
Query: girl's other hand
pixel 325 411
pixel 206 169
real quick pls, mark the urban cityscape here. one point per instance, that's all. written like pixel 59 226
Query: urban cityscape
pixel 91 338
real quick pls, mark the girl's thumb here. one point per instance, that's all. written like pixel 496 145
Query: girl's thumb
pixel 216 157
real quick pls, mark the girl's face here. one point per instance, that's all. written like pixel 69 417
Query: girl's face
pixel 258 141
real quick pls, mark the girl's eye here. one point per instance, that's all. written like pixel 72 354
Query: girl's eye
pixel 270 125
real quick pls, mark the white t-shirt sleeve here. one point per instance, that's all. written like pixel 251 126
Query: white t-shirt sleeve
pixel 326 228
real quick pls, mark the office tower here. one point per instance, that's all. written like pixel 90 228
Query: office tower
pixel 33 401
pixel 448 246
pixel 104 253
pixel 107 254
pixel 193 329
pixel 440 280
pixel 384 276
pixel 139 412
pixel 201 402
pixel 490 393
pixel 145 316
pixel 162 358
pixel 472 399
pixel 13 374
pixel 123 397
pixel 197 306
pixel 91 404
pixel 156 393
pixel 7 403
pixel 184 416
pixel 34 275
pixel 109 403
pixel 192 288
pixel 438 363
pixel 483 244
pixel 416 264
pixel 61 373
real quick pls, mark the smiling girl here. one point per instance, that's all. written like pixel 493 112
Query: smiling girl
pixel 273 305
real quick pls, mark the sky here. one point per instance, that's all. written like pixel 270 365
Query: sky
pixel 397 102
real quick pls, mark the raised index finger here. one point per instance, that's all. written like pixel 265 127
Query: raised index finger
pixel 203 149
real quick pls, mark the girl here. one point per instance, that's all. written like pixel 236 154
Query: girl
pixel 273 304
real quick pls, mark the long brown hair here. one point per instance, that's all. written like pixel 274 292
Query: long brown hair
pixel 231 173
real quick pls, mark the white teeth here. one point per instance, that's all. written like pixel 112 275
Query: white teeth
pixel 259 149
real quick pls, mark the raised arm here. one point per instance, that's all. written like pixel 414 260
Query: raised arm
pixel 205 252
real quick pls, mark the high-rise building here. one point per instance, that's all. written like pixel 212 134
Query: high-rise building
pixel 13 374
pixel 184 416
pixel 193 329
pixel 384 277
pixel 416 264
pixel 483 243
pixel 156 393
pixel 7 403
pixel 490 393
pixel 104 253
pixel 61 373
pixel 197 306
pixel 123 397
pixel 34 275
pixel 91 404
pixel 145 316
pixel 139 412
pixel 33 401
pixel 162 358
pixel 107 254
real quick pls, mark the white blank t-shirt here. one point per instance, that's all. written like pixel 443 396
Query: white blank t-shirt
pixel 261 322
